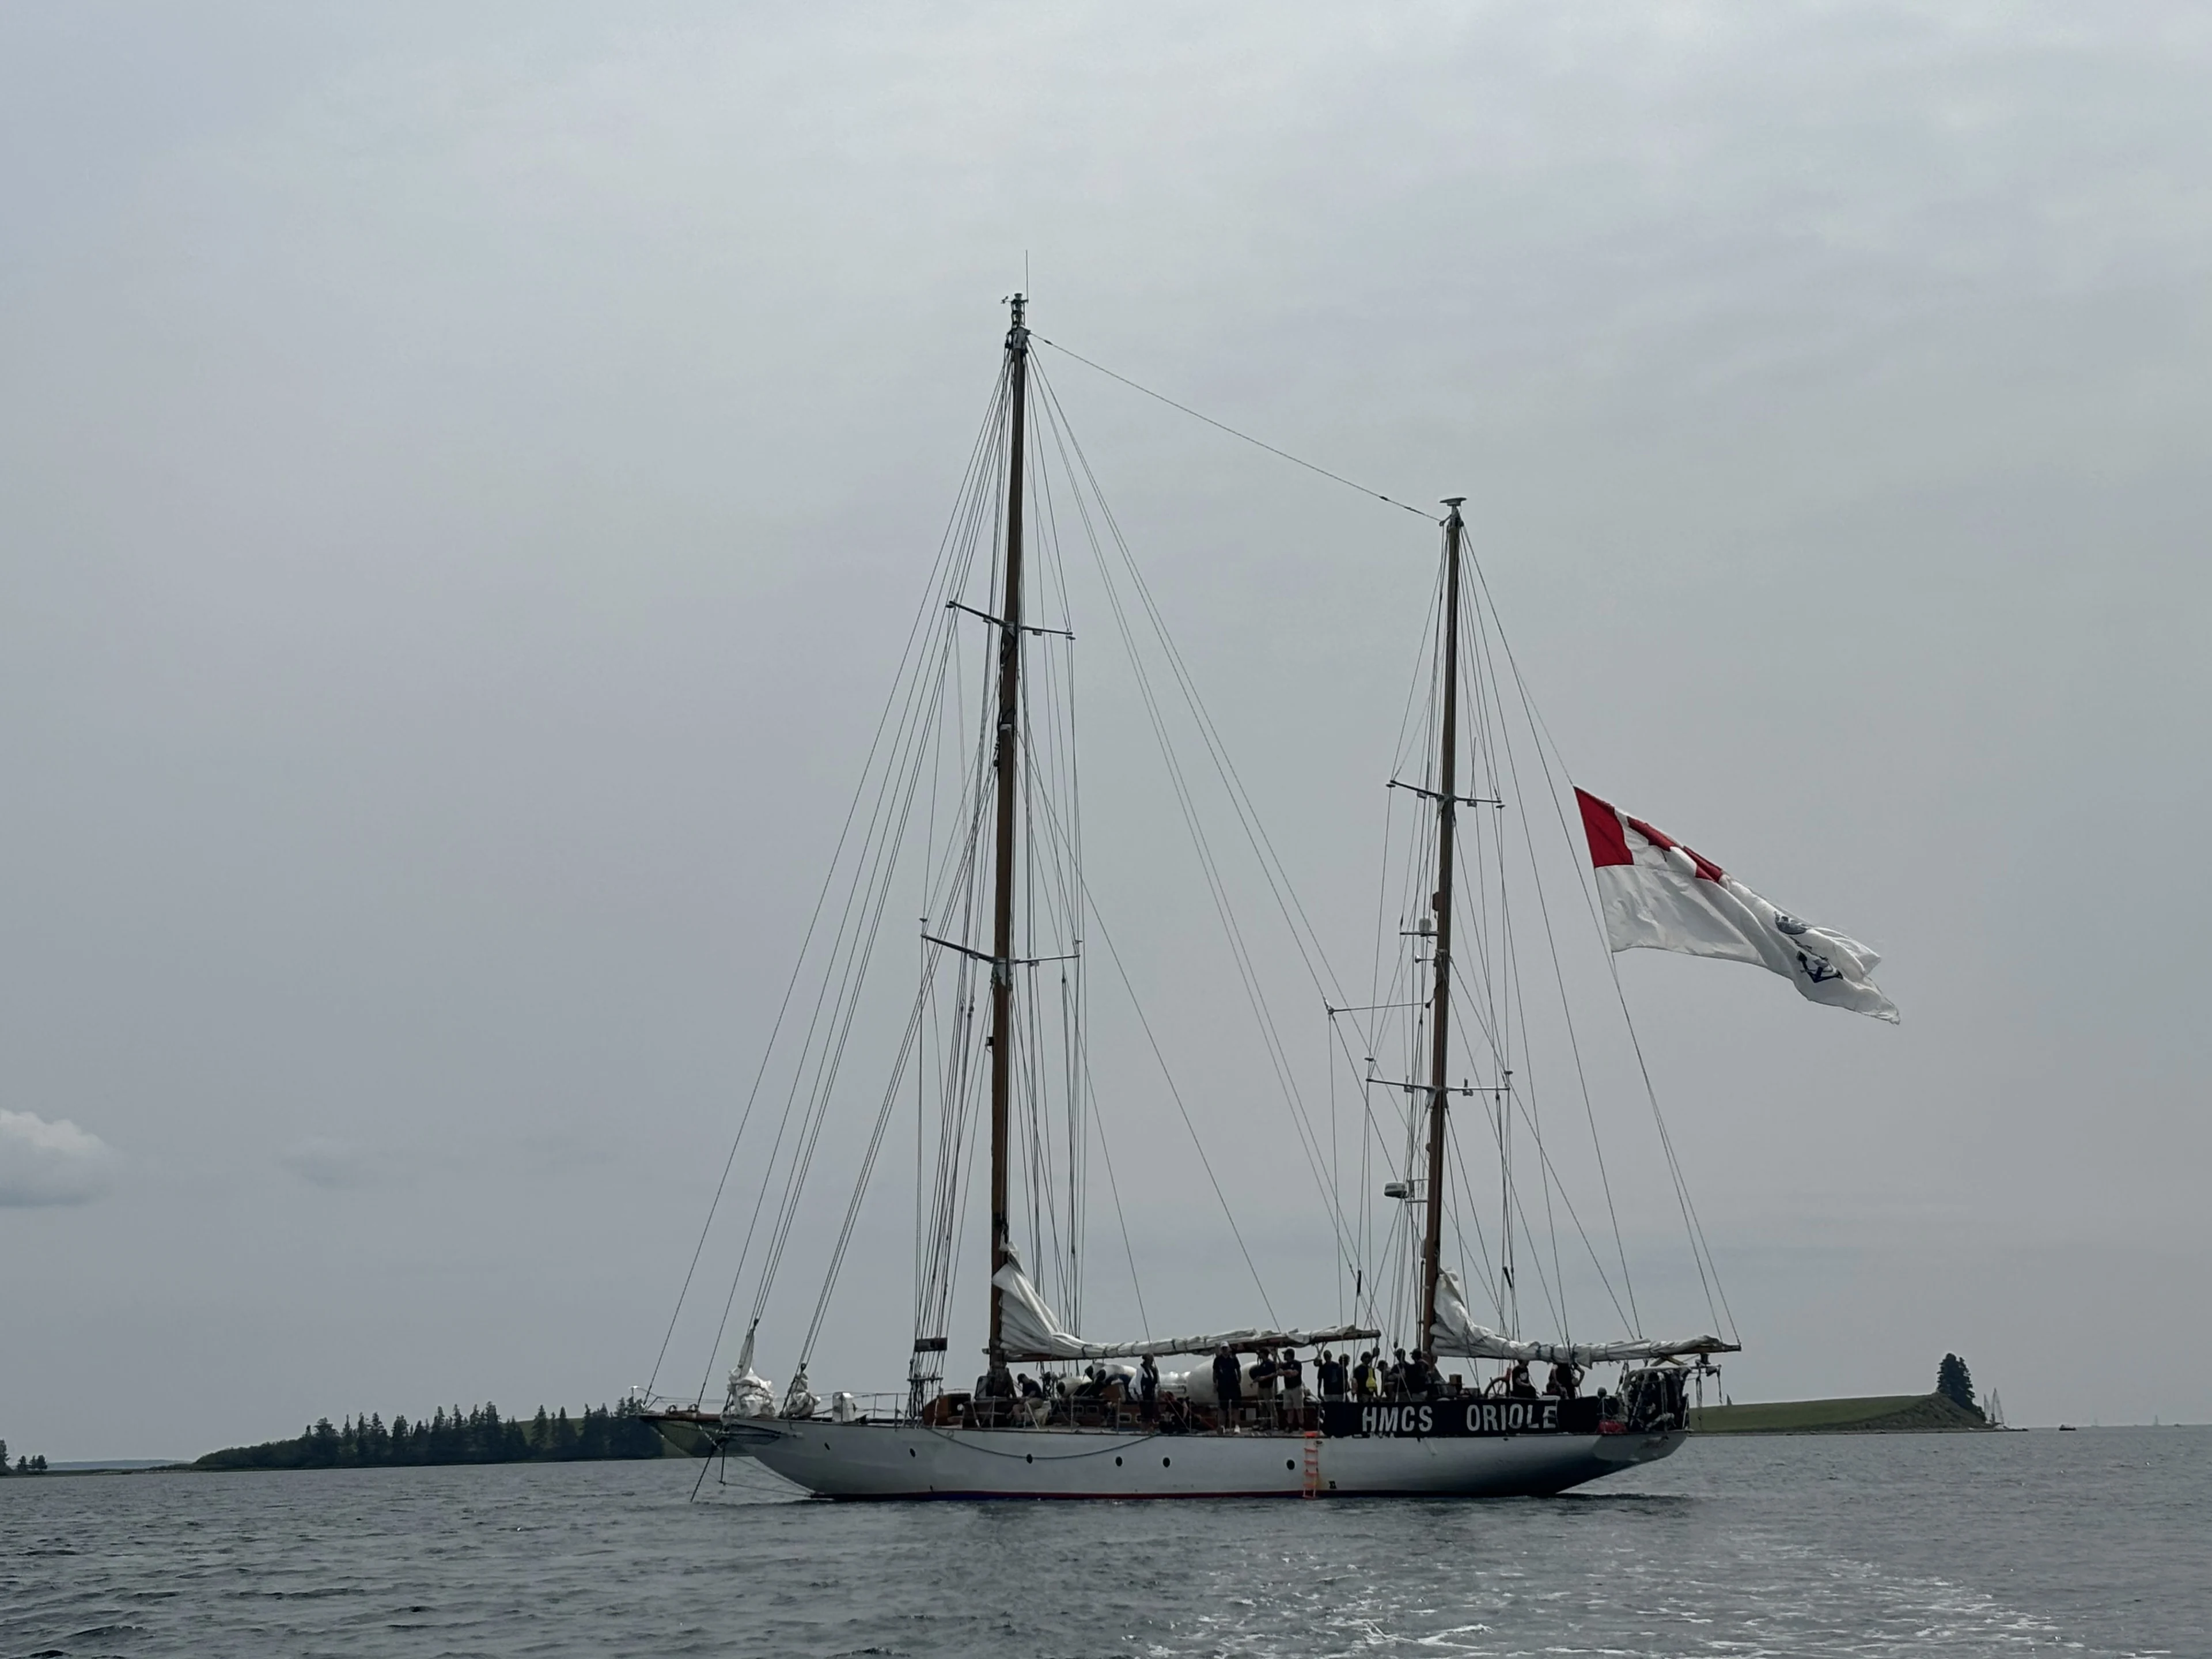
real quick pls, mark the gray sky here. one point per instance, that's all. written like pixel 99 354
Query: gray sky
pixel 465 478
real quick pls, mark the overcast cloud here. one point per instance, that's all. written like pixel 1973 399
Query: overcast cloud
pixel 465 476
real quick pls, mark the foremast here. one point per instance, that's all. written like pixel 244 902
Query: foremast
pixel 1005 758
pixel 1440 1007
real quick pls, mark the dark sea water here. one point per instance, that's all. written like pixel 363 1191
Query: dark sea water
pixel 2098 1542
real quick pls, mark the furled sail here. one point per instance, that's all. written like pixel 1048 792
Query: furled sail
pixel 1456 1332
pixel 1031 1330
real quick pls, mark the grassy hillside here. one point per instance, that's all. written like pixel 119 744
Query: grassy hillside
pixel 1887 1414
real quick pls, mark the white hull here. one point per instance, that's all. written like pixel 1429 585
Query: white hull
pixel 883 1460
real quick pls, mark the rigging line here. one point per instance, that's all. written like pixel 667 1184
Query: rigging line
pixel 1543 735
pixel 1574 1042
pixel 1567 1199
pixel 1053 823
pixel 1058 746
pixel 1488 663
pixel 876 865
pixel 1455 1140
pixel 1335 1151
pixel 1518 1206
pixel 1136 1285
pixel 1375 988
pixel 1531 1114
pixel 891 1097
pixel 1515 1001
pixel 1524 1103
pixel 1204 1163
pixel 1223 427
pixel 1270 864
pixel 945 545
pixel 1270 1039
pixel 877 886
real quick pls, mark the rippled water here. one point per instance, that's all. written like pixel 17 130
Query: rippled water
pixel 2098 1542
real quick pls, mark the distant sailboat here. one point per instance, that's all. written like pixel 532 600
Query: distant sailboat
pixel 1006 938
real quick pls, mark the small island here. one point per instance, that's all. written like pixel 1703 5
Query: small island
pixel 1950 1409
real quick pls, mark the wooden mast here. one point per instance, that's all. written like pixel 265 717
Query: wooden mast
pixel 1440 1012
pixel 1005 757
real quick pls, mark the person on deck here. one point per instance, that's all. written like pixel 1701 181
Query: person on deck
pixel 1263 1381
pixel 1564 1383
pixel 1291 1376
pixel 1414 1376
pixel 1519 1385
pixel 1393 1376
pixel 1228 1387
pixel 1029 1386
pixel 1363 1377
pixel 1328 1375
pixel 1148 1390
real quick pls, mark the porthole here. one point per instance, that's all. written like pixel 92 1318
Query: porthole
pixel 1163 1462
pixel 1117 1462
pixel 909 1451
pixel 1290 1462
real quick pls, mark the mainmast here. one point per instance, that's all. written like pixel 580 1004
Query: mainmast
pixel 1005 756
pixel 1440 1011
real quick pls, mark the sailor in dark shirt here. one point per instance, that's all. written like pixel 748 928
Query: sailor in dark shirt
pixel 1263 1375
pixel 1148 1390
pixel 1415 1376
pixel 1228 1386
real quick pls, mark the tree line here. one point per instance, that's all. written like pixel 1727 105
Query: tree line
pixel 23 1464
pixel 479 1435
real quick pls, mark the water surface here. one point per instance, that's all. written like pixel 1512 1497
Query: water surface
pixel 2095 1543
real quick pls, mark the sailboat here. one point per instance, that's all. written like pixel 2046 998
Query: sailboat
pixel 1234 1412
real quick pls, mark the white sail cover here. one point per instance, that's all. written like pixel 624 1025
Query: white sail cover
pixel 1030 1330
pixel 1658 894
pixel 1456 1332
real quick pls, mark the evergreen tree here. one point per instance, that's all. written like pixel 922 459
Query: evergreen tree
pixel 4 1453
pixel 1955 1383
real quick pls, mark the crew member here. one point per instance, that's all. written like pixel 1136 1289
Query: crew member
pixel 1228 1387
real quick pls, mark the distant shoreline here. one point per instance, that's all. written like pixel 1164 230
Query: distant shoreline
pixel 478 1435
pixel 1896 1414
